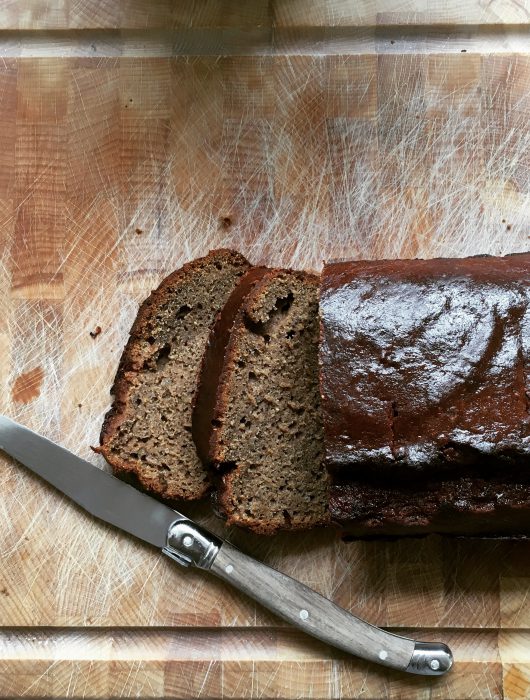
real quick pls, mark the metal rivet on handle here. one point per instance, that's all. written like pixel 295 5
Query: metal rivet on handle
pixel 435 664
pixel 187 541
pixel 304 614
pixel 383 654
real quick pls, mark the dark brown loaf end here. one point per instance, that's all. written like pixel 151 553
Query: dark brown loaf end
pixel 267 436
pixel 146 434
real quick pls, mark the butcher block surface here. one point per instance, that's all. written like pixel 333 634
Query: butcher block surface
pixel 137 136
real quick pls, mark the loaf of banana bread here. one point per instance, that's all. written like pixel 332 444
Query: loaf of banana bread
pixel 425 395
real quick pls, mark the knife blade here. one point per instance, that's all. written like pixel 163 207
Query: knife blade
pixel 120 504
pixel 95 490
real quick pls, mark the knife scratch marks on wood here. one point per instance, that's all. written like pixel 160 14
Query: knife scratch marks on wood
pixel 43 675
pixel 27 386
pixel 205 678
pixel 145 588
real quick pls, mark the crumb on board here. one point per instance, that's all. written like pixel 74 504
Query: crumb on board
pixel 138 230
pixel 95 332
pixel 226 222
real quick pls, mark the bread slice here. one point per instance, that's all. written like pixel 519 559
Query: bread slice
pixel 146 434
pixel 267 435
pixel 205 400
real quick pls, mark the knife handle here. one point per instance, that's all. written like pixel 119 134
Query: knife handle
pixel 303 607
pixel 320 617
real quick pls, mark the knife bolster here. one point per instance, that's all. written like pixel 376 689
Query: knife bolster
pixel 191 545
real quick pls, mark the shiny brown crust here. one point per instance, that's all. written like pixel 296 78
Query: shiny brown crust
pixel 134 357
pixel 455 462
pixel 424 364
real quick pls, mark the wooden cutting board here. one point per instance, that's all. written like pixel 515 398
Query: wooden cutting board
pixel 135 137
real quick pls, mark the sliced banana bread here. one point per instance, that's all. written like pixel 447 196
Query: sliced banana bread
pixel 204 403
pixel 147 432
pixel 267 435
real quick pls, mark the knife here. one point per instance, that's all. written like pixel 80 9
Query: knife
pixel 189 544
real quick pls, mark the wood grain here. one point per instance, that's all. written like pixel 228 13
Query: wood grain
pixel 115 170
pixel 269 663
pixel 132 14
